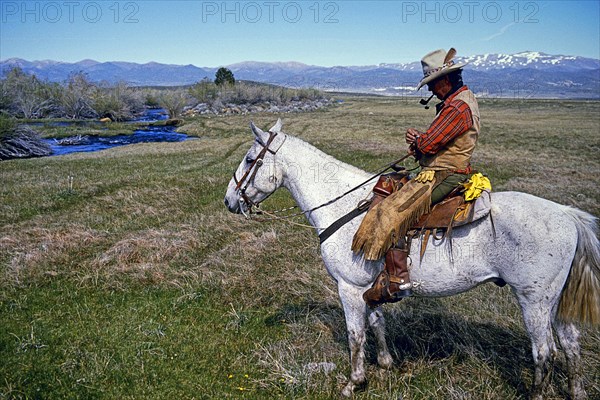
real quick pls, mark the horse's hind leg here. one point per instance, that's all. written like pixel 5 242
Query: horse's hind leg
pixel 377 323
pixel 568 336
pixel 537 322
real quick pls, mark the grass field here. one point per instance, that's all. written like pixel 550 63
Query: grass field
pixel 134 282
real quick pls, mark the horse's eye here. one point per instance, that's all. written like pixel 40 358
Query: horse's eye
pixel 249 160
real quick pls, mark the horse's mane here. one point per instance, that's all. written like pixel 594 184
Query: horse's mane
pixel 326 157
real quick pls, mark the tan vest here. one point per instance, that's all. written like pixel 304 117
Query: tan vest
pixel 457 154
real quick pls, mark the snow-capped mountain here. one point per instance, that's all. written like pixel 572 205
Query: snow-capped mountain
pixel 530 59
pixel 527 74
pixel 526 59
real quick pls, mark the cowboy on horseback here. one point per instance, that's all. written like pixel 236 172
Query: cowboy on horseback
pixel 444 153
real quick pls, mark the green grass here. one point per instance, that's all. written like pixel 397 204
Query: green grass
pixel 135 282
pixel 129 344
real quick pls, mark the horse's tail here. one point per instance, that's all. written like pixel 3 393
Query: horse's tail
pixel 580 298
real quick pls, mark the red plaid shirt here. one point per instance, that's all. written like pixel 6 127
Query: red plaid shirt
pixel 453 120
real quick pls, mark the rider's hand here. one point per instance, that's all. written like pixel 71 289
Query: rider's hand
pixel 412 135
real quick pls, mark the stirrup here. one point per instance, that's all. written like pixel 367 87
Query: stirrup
pixel 380 293
pixel 400 294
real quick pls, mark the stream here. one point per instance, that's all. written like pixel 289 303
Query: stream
pixel 95 143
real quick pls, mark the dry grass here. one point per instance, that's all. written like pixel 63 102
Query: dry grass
pixel 218 293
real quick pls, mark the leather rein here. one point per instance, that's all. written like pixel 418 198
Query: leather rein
pixel 248 177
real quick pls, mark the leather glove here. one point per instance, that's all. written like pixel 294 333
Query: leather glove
pixel 425 176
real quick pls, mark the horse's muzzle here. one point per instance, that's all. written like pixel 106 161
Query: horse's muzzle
pixel 233 207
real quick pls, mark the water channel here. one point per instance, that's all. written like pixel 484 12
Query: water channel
pixel 95 143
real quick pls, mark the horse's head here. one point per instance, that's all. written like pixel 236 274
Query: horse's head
pixel 259 174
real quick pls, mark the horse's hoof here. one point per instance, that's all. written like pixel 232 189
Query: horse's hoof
pixel 385 361
pixel 352 387
pixel 348 390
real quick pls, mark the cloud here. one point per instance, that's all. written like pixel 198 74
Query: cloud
pixel 499 33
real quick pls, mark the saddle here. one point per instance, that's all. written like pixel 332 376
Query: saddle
pixel 451 212
pixel 386 185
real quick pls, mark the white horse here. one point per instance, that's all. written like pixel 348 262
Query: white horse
pixel 548 253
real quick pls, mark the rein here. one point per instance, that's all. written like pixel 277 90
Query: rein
pixel 329 202
pixel 248 177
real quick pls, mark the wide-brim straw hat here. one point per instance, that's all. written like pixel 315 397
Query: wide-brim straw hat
pixel 437 64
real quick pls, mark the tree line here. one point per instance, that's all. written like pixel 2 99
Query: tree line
pixel 25 96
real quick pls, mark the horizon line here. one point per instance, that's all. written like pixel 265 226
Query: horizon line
pixel 283 62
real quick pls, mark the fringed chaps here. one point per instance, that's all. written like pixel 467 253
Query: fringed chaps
pixel 388 221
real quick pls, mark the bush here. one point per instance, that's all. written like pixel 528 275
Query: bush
pixel 249 93
pixel 76 100
pixel 119 102
pixel 7 125
pixel 173 101
pixel 150 97
pixel 204 91
pixel 25 96
pixel 20 141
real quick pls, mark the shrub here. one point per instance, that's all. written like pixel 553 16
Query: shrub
pixel 20 141
pixel 173 101
pixel 7 125
pixel 25 96
pixel 76 100
pixel 249 93
pixel 118 102
pixel 204 91
pixel 150 97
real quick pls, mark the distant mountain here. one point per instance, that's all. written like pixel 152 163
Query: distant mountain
pixel 150 74
pixel 523 75
pixel 527 59
pixel 526 74
pixel 531 60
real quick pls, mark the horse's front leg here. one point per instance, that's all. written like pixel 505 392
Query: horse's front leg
pixel 355 312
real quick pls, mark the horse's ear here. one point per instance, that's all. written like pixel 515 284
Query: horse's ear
pixel 255 129
pixel 260 135
pixel 278 126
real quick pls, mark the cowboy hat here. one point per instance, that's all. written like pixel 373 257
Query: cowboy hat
pixel 437 64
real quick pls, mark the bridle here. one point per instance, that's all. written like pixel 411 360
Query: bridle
pixel 248 177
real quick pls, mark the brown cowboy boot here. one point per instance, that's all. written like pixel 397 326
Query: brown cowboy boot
pixel 393 283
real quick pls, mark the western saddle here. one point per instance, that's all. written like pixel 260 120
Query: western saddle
pixel 451 212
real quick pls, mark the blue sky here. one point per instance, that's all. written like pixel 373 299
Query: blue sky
pixel 327 33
